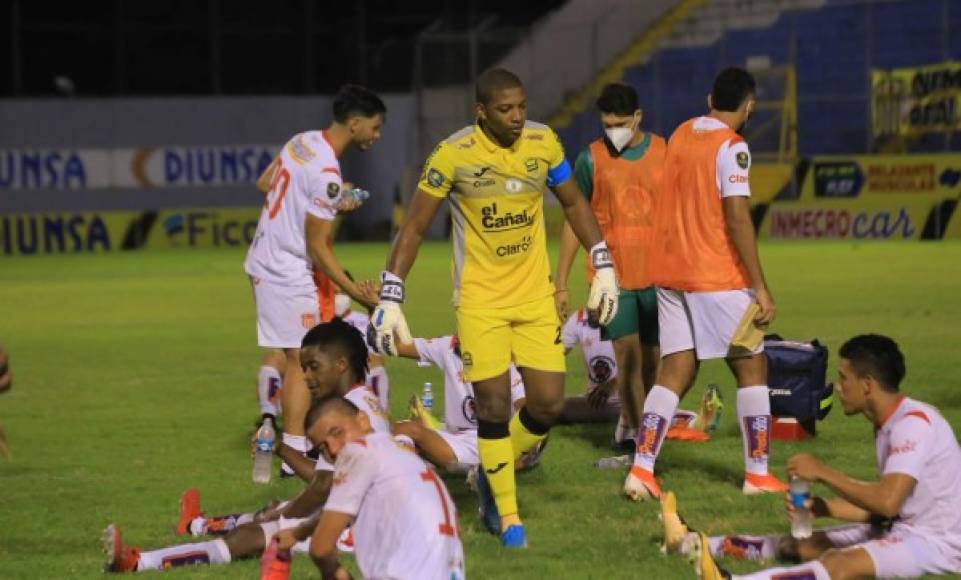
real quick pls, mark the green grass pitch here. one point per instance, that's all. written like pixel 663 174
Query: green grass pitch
pixel 135 374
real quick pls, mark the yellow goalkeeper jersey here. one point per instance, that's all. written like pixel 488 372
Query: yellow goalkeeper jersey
pixel 497 207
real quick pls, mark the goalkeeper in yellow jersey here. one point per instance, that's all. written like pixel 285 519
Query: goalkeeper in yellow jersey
pixel 495 174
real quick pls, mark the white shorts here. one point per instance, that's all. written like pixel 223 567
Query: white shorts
pixel 284 313
pixel 464 445
pixel 900 553
pixel 703 321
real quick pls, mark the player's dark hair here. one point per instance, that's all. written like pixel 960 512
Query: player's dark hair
pixel 324 405
pixel 877 356
pixel 338 336
pixel 493 80
pixel 356 101
pixel 618 99
pixel 731 88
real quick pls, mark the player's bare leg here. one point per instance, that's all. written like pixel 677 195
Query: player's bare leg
pixel 674 376
pixel 754 417
pixel 296 402
pixel 430 445
pixel 630 380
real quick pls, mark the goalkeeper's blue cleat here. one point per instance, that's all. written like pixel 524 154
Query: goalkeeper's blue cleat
pixel 487 509
pixel 514 537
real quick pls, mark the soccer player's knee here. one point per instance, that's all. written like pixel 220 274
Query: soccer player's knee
pixel 547 412
pixel 493 408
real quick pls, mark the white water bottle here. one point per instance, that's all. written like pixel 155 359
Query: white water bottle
pixel 802 522
pixel 427 398
pixel 264 451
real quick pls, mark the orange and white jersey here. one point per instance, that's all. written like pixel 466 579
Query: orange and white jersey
pixel 365 400
pixel 306 181
pixel 917 441
pixel 598 353
pixel 460 413
pixel 405 522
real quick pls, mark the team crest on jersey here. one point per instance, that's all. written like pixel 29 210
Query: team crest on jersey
pixel 467 359
pixel 531 165
pixel 743 160
pixel 434 178
pixel 513 185
pixel 601 369
pixel 469 409
pixel 333 189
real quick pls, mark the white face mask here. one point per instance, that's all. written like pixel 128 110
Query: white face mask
pixel 341 304
pixel 619 137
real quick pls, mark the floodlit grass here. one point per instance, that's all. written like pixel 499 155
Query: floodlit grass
pixel 135 374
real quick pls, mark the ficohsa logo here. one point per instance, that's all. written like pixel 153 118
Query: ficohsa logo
pixel 202 229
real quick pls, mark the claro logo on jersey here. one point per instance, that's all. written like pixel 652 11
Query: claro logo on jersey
pixel 496 222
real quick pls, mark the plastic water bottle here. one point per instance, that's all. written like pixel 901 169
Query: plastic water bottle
pixel 427 398
pixel 615 462
pixel 264 451
pixel 802 522
pixel 359 194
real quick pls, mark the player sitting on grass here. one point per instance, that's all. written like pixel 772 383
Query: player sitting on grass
pixel 403 519
pixel 334 359
pixel 907 523
pixel 452 445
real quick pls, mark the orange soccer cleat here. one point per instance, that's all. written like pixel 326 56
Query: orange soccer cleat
pixel 189 510
pixel 758 484
pixel 120 558
pixel 640 485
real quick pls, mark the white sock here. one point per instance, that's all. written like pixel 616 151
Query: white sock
pixel 379 383
pixel 756 548
pixel 754 415
pixel 298 442
pixel 214 552
pixel 659 407
pixel 813 570
pixel 269 383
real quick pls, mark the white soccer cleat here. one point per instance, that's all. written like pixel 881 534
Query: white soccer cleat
pixel 640 485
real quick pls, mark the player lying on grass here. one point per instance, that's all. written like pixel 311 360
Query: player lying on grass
pixel 403 520
pixel 334 359
pixel 602 403
pixel 906 524
pixel 453 445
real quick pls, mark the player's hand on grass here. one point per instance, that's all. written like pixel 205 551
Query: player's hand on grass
pixel 766 306
pixel 805 466
pixel 602 301
pixel 562 302
pixel 388 318
pixel 599 396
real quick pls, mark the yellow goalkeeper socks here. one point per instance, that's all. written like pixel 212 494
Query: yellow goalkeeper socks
pixel 497 461
pixel 526 432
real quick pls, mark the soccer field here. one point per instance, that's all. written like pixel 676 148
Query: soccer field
pixel 134 378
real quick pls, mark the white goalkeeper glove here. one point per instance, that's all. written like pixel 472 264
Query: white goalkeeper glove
pixel 387 318
pixel 602 301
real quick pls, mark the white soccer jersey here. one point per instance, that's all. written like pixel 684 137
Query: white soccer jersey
pixel 307 181
pixel 917 441
pixel 459 411
pixel 598 354
pixel 367 402
pixel 733 161
pixel 405 523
